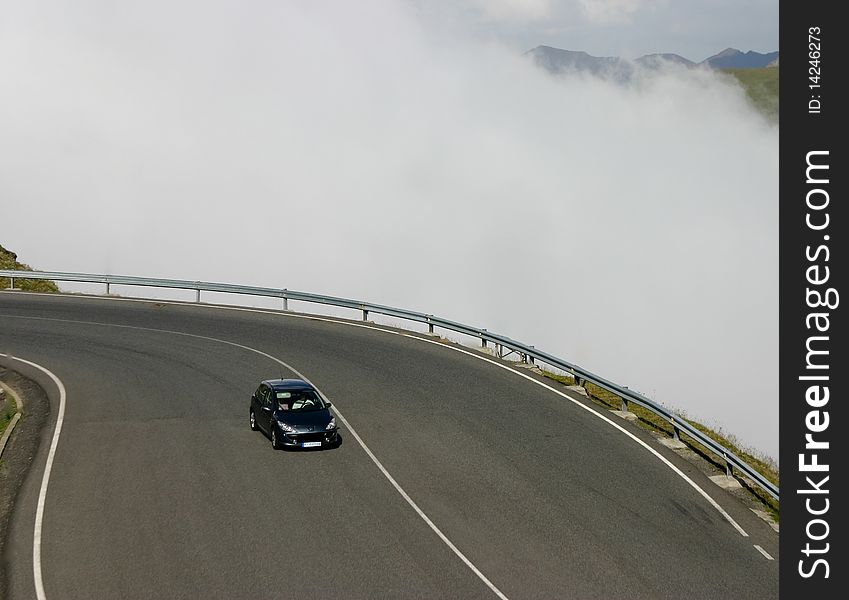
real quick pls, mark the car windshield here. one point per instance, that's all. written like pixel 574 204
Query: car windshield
pixel 299 400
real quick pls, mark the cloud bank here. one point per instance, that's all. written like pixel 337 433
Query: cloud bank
pixel 355 150
pixel 610 11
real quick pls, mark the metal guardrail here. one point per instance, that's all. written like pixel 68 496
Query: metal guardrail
pixel 526 353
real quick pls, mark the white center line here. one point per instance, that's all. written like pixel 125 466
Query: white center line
pixel 374 459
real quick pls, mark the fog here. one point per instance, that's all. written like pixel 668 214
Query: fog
pixel 359 150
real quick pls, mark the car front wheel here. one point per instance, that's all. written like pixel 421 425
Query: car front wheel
pixel 275 438
pixel 253 421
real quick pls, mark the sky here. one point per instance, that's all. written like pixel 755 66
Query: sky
pixel 409 155
pixel 694 29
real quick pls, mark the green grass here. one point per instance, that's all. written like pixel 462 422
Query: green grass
pixel 761 86
pixel 6 414
pixel 651 421
pixel 9 262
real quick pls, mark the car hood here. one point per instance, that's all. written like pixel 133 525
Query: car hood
pixel 315 418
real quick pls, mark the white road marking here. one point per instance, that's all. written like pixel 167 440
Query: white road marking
pixel 476 355
pixel 764 552
pixel 45 480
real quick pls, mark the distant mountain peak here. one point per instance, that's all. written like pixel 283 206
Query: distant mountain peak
pixel 559 62
pixel 657 59
pixel 727 52
pixel 561 52
pixel 731 58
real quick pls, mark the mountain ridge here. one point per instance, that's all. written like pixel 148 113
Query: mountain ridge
pixel 558 60
pixel 731 58
pixel 758 76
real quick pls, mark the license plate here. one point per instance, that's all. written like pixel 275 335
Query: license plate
pixel 310 444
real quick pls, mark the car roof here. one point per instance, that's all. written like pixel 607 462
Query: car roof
pixel 288 384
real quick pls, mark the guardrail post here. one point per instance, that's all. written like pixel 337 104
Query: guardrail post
pixel 624 401
pixel 531 358
pixel 483 339
pixel 108 287
pixel 11 283
pixel 729 472
pixel 197 297
pixel 285 303
pixel 499 350
pixel 365 315
pixel 676 433
pixel 429 325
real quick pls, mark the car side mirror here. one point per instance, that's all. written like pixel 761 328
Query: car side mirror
pixel 328 404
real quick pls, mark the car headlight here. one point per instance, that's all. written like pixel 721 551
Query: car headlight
pixel 286 427
pixel 332 424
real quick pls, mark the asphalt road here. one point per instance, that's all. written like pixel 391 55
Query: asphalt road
pixel 160 490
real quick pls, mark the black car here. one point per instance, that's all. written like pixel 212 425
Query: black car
pixel 293 414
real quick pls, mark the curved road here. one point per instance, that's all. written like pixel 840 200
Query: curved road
pixel 160 490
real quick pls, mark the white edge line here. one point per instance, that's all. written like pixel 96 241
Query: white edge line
pixel 342 321
pixel 45 480
pixel 657 454
pixel 764 552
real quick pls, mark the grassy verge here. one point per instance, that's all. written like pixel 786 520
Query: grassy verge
pixel 9 410
pixel 649 420
pixel 9 262
pixel 761 86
